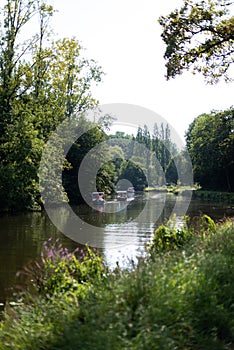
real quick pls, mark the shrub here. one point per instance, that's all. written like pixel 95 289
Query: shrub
pixel 170 238
pixel 181 300
pixel 61 271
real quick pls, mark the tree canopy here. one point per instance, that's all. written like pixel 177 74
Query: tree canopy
pixel 210 141
pixel 199 36
pixel 42 82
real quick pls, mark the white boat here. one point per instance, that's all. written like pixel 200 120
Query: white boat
pixel 131 190
pixel 98 198
pixel 125 195
pixel 122 195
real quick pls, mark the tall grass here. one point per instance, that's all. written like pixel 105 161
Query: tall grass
pixel 180 297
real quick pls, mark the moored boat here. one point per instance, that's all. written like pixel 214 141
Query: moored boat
pixel 122 195
pixel 98 197
pixel 131 192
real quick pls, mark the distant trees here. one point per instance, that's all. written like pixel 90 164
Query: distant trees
pixel 98 159
pixel 210 141
pixel 133 173
pixel 149 155
pixel 161 151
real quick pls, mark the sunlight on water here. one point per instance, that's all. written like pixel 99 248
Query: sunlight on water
pixel 123 234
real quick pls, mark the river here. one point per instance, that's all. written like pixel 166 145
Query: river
pixel 121 233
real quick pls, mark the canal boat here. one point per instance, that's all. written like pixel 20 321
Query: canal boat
pixel 98 198
pixel 122 195
pixel 125 196
pixel 131 192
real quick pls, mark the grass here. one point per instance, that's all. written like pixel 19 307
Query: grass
pixel 179 296
pixel 175 189
pixel 216 196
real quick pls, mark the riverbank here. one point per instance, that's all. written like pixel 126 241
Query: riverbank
pixel 215 196
pixel 198 193
pixel 176 297
pixel 175 189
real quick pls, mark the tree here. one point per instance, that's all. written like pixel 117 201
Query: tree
pixel 179 169
pixel 41 84
pixel 76 154
pixel 199 36
pixel 19 142
pixel 133 173
pixel 210 142
pixel 161 148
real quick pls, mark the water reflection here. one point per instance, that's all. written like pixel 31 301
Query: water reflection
pixel 21 239
pixel 121 233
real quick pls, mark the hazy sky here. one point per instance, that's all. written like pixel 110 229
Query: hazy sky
pixel 124 38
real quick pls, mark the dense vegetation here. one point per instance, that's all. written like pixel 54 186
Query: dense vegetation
pixel 210 142
pixel 42 82
pixel 140 159
pixel 199 37
pixel 178 296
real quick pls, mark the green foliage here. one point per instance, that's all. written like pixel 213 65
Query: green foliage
pixel 161 148
pixel 180 164
pixel 199 36
pixel 170 237
pixel 42 82
pixel 207 224
pixel 181 300
pixel 133 173
pixel 147 155
pixel 62 272
pixel 210 142
pixel 215 196
pixel 84 145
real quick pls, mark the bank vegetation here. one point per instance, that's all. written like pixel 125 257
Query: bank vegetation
pixel 179 295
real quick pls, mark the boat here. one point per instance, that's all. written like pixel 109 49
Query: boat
pixel 98 198
pixel 125 195
pixel 122 195
pixel 131 192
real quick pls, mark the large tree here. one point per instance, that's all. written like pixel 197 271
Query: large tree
pixel 199 36
pixel 210 141
pixel 42 82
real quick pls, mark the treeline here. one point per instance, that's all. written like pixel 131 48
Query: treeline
pixel 210 142
pixel 210 138
pixel 131 160
pixel 161 152
pixel 152 159
pixel 42 82
pixel 165 163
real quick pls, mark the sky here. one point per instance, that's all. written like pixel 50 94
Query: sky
pixel 124 38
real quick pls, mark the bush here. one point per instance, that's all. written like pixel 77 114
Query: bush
pixel 60 271
pixel 170 238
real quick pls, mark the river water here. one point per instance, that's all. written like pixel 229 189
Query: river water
pixel 122 233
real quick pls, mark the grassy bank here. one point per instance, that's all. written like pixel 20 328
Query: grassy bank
pixel 215 196
pixel 179 296
pixel 175 189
